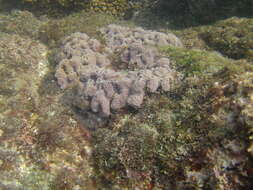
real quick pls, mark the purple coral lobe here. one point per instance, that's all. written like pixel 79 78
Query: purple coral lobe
pixel 83 63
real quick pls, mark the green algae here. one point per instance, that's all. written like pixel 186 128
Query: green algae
pixel 203 63
pixel 36 179
pixel 231 37
pixel 63 3
pixel 20 22
pixel 112 7
pixel 36 130
pixel 193 12
pixel 54 30
pixel 51 30
pixel 158 144
pixel 177 140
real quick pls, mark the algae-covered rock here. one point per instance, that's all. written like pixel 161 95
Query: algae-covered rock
pixel 63 3
pixel 20 22
pixel 111 7
pixel 199 132
pixel 232 37
pixel 196 134
pixel 54 30
pixel 192 12
pixel 51 30
pixel 38 135
pixel 23 65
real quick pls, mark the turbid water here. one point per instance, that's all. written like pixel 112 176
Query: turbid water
pixel 187 124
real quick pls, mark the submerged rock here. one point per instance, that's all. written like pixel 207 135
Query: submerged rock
pixel 200 135
pixel 197 136
pixel 232 37
pixel 23 64
pixel 38 135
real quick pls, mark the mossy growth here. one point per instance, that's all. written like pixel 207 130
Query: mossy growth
pixel 112 7
pixel 191 37
pixel 36 179
pixel 232 37
pixel 157 145
pixel 55 29
pixel 199 63
pixel 195 12
pixel 203 72
pixel 51 30
pixel 23 23
pixel 54 3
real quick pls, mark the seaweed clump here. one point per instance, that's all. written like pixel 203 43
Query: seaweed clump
pixel 52 31
pixel 195 12
pixel 41 141
pixel 196 136
pixel 232 37
pixel 23 23
pixel 57 3
pixel 111 7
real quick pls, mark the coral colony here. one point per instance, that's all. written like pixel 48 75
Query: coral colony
pixel 85 62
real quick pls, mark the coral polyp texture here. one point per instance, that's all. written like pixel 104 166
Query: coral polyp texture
pixel 120 36
pixel 94 68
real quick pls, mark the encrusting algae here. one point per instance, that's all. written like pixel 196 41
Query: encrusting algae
pixel 196 134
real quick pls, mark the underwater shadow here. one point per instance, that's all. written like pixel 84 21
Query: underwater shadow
pixel 184 14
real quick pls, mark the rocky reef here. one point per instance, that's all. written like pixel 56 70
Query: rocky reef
pixel 32 122
pixel 232 37
pixel 198 134
pixel 85 62
pixel 85 105
pixel 190 12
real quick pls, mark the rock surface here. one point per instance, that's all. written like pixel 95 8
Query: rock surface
pixel 197 136
pixel 36 131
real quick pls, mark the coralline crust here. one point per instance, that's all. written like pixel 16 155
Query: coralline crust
pixel 84 62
